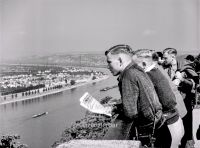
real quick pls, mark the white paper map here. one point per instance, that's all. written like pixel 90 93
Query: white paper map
pixel 90 103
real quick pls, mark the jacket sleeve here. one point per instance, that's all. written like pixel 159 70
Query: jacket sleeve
pixel 186 85
pixel 188 82
pixel 130 96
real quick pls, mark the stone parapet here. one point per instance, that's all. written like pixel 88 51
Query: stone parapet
pixel 101 144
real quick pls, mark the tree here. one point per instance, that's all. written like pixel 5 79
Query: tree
pixel 11 142
pixel 94 77
pixel 66 81
pixel 72 82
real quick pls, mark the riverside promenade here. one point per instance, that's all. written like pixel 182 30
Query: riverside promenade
pixel 49 92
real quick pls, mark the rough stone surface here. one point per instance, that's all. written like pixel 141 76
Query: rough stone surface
pixel 101 144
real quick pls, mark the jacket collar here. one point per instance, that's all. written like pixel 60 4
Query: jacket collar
pixel 127 67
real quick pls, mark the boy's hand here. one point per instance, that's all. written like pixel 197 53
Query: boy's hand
pixel 116 109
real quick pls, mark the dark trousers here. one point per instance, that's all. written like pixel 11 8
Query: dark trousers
pixel 187 123
pixel 126 131
pixel 119 130
pixel 163 137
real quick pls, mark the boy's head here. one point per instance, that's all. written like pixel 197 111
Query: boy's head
pixel 118 57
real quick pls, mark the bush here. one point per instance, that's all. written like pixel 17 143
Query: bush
pixel 72 82
pixel 105 100
pixel 94 77
pixel 11 142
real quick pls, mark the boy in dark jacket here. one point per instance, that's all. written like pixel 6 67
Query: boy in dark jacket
pixel 140 106
pixel 165 95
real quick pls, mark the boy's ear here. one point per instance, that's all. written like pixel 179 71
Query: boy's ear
pixel 173 56
pixel 120 60
pixel 144 64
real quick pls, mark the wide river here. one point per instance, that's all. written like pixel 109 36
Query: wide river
pixel 63 109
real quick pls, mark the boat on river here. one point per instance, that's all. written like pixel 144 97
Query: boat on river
pixel 107 88
pixel 38 115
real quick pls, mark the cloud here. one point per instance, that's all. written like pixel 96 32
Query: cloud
pixel 148 32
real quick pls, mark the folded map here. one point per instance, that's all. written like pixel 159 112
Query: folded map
pixel 90 103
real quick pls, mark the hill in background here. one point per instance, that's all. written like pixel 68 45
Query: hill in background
pixel 96 60
pixel 85 60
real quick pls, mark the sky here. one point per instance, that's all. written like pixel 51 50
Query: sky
pixel 42 27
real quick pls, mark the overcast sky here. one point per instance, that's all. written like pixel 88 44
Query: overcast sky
pixel 41 27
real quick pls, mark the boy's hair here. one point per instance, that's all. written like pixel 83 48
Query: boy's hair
pixel 144 53
pixel 160 54
pixel 170 51
pixel 156 55
pixel 121 48
pixel 190 58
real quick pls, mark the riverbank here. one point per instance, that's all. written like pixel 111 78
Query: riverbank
pixel 52 91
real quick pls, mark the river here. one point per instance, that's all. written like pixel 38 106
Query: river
pixel 63 109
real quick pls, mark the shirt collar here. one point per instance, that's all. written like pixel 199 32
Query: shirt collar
pixel 150 67
pixel 127 67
